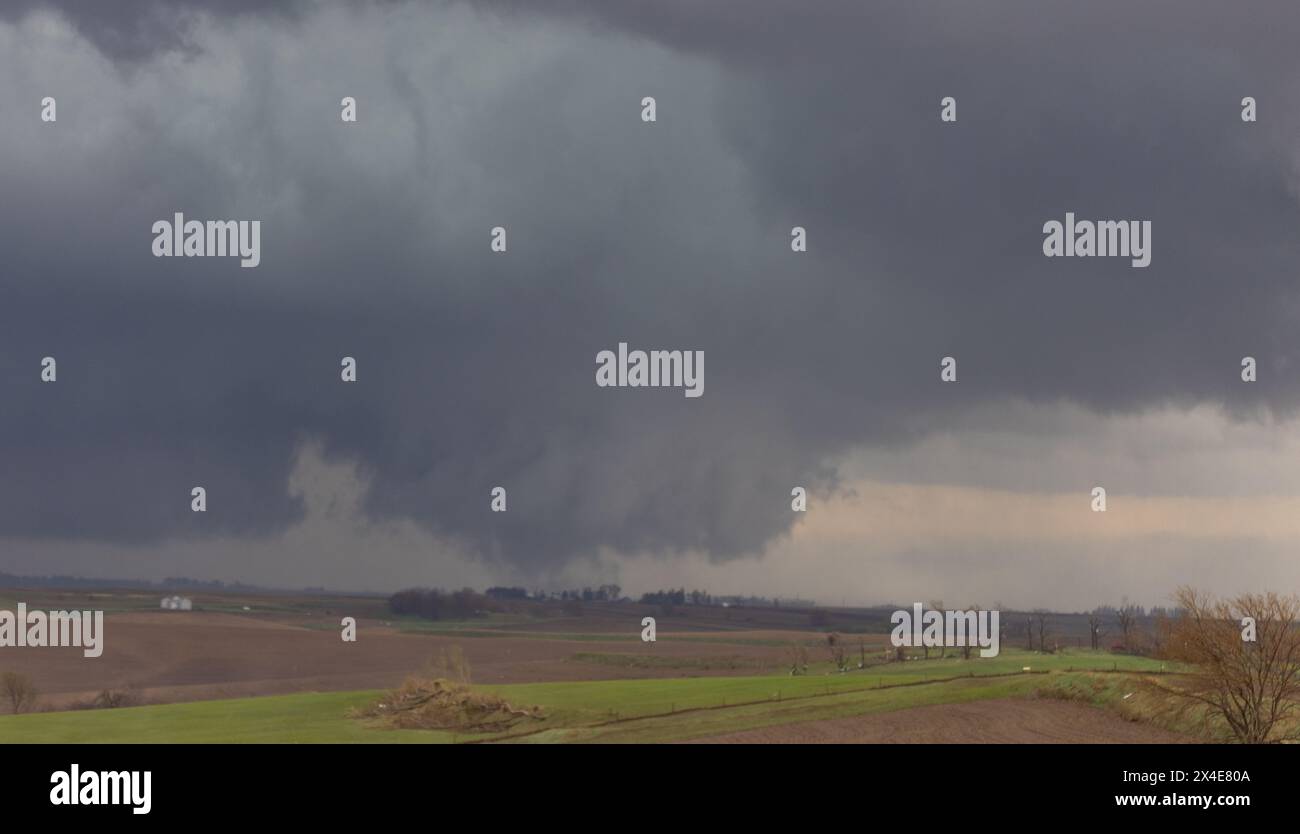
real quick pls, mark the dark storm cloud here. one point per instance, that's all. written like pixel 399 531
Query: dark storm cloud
pixel 135 29
pixel 476 369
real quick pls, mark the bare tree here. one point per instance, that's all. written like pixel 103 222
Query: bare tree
pixel 1252 686
pixel 18 690
pixel 836 648
pixel 937 605
pixel 1160 627
pixel 966 649
pixel 1127 616
pixel 1040 621
pixel 797 653
pixel 1095 631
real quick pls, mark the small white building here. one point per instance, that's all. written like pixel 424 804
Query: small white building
pixel 177 604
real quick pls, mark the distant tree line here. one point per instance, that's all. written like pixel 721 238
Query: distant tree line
pixel 677 597
pixel 11 580
pixel 437 604
pixel 605 593
pixel 1127 628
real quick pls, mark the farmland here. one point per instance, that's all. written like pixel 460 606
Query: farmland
pixel 273 669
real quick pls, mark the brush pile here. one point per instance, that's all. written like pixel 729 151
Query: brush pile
pixel 440 704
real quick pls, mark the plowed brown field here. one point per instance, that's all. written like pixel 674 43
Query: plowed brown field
pixel 183 656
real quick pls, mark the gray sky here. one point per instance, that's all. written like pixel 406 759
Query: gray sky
pixel 476 369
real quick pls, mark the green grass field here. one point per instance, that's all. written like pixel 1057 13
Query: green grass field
pixel 645 710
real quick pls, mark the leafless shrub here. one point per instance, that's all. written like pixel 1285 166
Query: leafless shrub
pixel 451 664
pixel 1250 687
pixel 797 653
pixel 19 691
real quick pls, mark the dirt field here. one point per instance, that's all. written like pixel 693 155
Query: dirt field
pixel 182 656
pixel 234 646
pixel 1003 721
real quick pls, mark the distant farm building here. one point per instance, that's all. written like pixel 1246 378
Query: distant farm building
pixel 177 604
